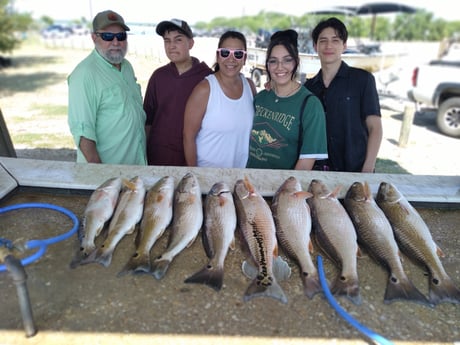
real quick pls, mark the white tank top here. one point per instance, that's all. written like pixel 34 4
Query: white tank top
pixel 223 139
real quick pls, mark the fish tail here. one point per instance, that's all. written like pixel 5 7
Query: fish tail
pixel 443 291
pixel 403 289
pixel 90 258
pixel 209 275
pixel 138 263
pixel 311 284
pixel 103 257
pixel 159 268
pixel 348 287
pixel 81 255
pixel 273 290
pixel 281 269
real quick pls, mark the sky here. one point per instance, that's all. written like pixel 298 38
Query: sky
pixel 150 11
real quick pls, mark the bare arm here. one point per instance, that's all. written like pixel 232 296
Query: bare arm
pixel 88 148
pixel 305 164
pixel 193 116
pixel 374 127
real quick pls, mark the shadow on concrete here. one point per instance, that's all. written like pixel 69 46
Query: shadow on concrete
pixel 388 166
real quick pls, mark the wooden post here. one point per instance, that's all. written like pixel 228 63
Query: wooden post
pixel 408 119
pixel 6 146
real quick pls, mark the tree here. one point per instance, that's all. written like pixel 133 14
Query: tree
pixel 11 23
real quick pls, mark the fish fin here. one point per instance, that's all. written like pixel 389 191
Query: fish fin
pixel 311 284
pixel 443 291
pixel 103 258
pixel 367 192
pixel 302 194
pixel 81 255
pixel 249 270
pixel 359 253
pixel 273 290
pixel 248 185
pixel 129 184
pixel 404 208
pixel 210 275
pixel 159 268
pixel 138 263
pixel 90 258
pixel 335 192
pixel 275 250
pixel 232 245
pixel 281 269
pixel 439 252
pixel 403 289
pixel 348 288
pixel 311 249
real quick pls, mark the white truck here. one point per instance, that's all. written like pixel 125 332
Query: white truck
pixel 436 85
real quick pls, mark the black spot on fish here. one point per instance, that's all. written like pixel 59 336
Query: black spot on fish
pixel 435 281
pixel 394 279
pixel 135 255
pixel 342 278
pixel 208 267
pixel 305 274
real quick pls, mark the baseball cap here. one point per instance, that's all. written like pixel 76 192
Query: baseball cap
pixel 106 18
pixel 174 24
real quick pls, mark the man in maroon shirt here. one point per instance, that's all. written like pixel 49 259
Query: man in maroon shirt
pixel 167 92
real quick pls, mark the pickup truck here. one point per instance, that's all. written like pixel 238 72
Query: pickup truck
pixel 436 85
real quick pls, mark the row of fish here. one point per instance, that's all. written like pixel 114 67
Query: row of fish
pixel 293 217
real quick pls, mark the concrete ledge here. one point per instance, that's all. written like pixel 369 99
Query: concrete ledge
pixel 7 183
pixel 57 174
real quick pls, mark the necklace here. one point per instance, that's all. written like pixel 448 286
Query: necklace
pixel 293 90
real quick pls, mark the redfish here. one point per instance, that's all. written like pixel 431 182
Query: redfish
pixel 415 240
pixel 158 211
pixel 218 235
pixel 99 209
pixel 256 223
pixel 293 226
pixel 376 236
pixel 336 236
pixel 186 223
pixel 127 214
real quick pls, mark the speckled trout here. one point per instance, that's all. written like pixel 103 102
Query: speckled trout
pixel 127 214
pixel 99 209
pixel 376 236
pixel 336 236
pixel 293 226
pixel 158 211
pixel 186 223
pixel 256 223
pixel 218 235
pixel 414 239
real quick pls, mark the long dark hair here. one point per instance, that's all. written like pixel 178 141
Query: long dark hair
pixel 287 39
pixel 229 34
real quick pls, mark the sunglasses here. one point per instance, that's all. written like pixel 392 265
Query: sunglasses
pixel 109 36
pixel 237 53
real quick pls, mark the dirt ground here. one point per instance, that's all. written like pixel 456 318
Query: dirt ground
pixel 91 299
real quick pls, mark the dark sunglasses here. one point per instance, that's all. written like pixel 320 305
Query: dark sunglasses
pixel 109 36
pixel 237 53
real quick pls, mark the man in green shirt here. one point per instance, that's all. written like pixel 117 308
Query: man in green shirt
pixel 106 115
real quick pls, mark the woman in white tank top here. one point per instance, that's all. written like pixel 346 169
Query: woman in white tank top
pixel 219 112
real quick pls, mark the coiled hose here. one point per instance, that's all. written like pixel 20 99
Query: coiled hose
pixel 16 267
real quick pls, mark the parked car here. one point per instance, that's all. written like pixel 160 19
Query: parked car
pixel 79 29
pixel 56 31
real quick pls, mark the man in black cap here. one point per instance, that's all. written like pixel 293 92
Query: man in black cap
pixel 106 117
pixel 167 92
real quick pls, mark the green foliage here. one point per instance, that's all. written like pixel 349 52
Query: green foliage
pixel 12 24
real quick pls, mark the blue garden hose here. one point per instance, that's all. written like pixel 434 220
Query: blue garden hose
pixel 367 332
pixel 40 244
